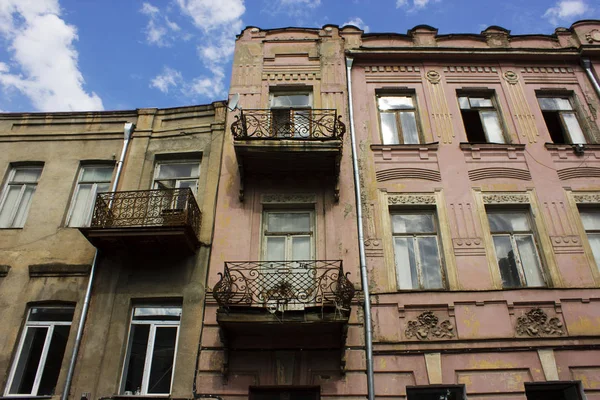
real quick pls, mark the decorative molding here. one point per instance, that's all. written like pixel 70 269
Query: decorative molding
pixel 278 198
pixel 567 244
pixel 301 76
pixel 408 173
pixel 373 247
pixel 535 323
pixel 468 246
pixel 578 172
pixel 547 70
pixel 506 198
pixel 391 68
pixel 511 77
pixel 58 270
pixel 418 199
pixel 426 327
pixel 469 69
pixel 499 172
pixel 433 76
pixel 522 115
pixel 587 198
pixel 593 36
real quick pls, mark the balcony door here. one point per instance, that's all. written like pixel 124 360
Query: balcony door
pixel 290 114
pixel 288 248
pixel 169 176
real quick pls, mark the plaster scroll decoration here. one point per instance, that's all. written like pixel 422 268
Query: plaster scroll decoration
pixel 587 198
pixel 536 323
pixel 511 77
pixel 402 199
pixel 506 198
pixel 593 36
pixel 433 76
pixel 427 326
pixel 278 198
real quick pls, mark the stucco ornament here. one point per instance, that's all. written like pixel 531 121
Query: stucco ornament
pixel 426 327
pixel 587 198
pixel 536 323
pixel 411 199
pixel 433 76
pixel 289 198
pixel 593 36
pixel 505 198
pixel 511 77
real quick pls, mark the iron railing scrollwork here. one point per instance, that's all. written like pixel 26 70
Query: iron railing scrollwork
pixel 147 208
pixel 284 284
pixel 290 123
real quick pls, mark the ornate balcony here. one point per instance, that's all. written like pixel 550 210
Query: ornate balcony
pixel 163 220
pixel 288 142
pixel 286 303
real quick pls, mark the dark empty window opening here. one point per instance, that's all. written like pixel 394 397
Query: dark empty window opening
pixel 473 126
pixel 285 393
pixel 561 120
pixel 553 391
pixel 455 392
pixel 481 119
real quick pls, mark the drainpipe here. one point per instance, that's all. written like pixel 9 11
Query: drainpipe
pixel 587 65
pixel 127 131
pixel 361 247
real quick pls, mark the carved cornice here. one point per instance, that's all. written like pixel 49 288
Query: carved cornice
pixel 298 198
pixel 426 327
pixel 587 198
pixel 506 198
pixel 417 199
pixel 536 323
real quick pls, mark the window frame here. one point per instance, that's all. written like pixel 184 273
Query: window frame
pixel 435 388
pixel 301 110
pixel 288 235
pixel 483 94
pixel 575 110
pixel 415 236
pixel 511 234
pixel 154 324
pixel 158 163
pixel 586 209
pixel 94 191
pixel 397 119
pixel 50 325
pixel 9 182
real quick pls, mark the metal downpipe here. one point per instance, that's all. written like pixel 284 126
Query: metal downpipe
pixel 587 65
pixel 361 247
pixel 127 131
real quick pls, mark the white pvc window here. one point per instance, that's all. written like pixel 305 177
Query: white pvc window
pixel 398 117
pixel 561 120
pixel 177 175
pixel 516 249
pixel 150 358
pixel 591 224
pixel 16 196
pixel 288 236
pixel 93 179
pixel 481 119
pixel 416 251
pixel 41 349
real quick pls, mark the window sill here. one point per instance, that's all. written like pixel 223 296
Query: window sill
pixel 565 146
pixel 425 146
pixel 491 146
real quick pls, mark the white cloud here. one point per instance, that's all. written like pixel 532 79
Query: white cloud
pixel 168 78
pixel 414 5
pixel 160 31
pixel 299 9
pixel 565 10
pixel 359 23
pixel 43 57
pixel 209 15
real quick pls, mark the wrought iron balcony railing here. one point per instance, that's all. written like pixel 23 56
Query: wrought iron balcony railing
pixel 302 124
pixel 284 284
pixel 147 208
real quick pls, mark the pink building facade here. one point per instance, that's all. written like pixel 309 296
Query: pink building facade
pixel 479 171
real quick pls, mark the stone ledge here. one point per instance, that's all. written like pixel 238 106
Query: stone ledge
pixel 58 269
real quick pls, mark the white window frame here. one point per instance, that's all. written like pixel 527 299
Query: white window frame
pixel 493 108
pixel 512 235
pixel 42 363
pixel 178 181
pixel 414 236
pixel 24 185
pixel 288 235
pixel 154 324
pixel 91 200
pixel 397 116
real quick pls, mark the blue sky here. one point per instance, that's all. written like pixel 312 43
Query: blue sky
pixel 63 55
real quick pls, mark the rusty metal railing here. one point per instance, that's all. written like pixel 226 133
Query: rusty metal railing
pixel 147 208
pixel 282 284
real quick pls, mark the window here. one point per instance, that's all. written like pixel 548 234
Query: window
pixel 435 392
pixel 481 119
pixel 591 224
pixel 288 235
pixel 561 120
pixel 17 194
pixel 151 349
pixel 398 117
pixel 287 393
pixel 553 391
pixel 516 249
pixel 416 251
pixel 291 114
pixel 93 179
pixel 177 175
pixel 41 350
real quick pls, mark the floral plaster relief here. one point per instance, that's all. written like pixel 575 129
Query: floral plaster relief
pixel 426 327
